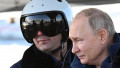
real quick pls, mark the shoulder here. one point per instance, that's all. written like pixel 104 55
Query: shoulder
pixel 17 65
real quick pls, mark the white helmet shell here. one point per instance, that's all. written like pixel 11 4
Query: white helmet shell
pixel 35 6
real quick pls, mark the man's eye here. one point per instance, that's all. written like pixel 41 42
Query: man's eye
pixel 77 39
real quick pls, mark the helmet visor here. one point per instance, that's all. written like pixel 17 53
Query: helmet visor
pixel 50 24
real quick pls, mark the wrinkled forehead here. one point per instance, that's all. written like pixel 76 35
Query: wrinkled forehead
pixel 79 22
pixel 79 25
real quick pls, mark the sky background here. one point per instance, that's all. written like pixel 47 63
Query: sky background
pixel 12 43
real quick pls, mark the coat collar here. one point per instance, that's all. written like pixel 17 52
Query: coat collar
pixel 114 48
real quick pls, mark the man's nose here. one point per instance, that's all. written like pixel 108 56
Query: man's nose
pixel 75 48
pixel 39 33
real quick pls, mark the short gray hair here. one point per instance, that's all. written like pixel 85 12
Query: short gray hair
pixel 98 19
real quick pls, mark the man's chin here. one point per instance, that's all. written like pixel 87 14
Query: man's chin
pixel 46 52
pixel 83 61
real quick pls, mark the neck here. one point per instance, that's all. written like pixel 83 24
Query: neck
pixel 57 55
pixel 100 58
pixel 103 57
pixel 104 54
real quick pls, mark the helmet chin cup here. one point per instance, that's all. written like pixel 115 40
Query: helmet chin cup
pixel 39 7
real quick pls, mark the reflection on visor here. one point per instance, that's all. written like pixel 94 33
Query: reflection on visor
pixel 49 24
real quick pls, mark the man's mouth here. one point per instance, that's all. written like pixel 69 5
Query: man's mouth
pixel 81 57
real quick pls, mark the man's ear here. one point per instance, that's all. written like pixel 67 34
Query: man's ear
pixel 103 35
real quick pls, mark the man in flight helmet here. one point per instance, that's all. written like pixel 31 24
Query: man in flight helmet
pixel 45 24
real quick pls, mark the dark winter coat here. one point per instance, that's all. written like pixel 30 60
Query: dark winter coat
pixel 112 61
pixel 33 58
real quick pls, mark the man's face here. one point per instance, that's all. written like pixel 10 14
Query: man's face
pixel 45 43
pixel 86 45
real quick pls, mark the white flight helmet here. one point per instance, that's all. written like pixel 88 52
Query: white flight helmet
pixel 42 6
pixel 35 6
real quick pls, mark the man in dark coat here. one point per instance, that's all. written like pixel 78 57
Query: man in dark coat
pixel 45 24
pixel 95 41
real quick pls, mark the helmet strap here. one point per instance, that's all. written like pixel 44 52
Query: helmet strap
pixel 60 48
pixel 61 54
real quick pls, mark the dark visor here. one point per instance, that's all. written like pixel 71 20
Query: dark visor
pixel 50 24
